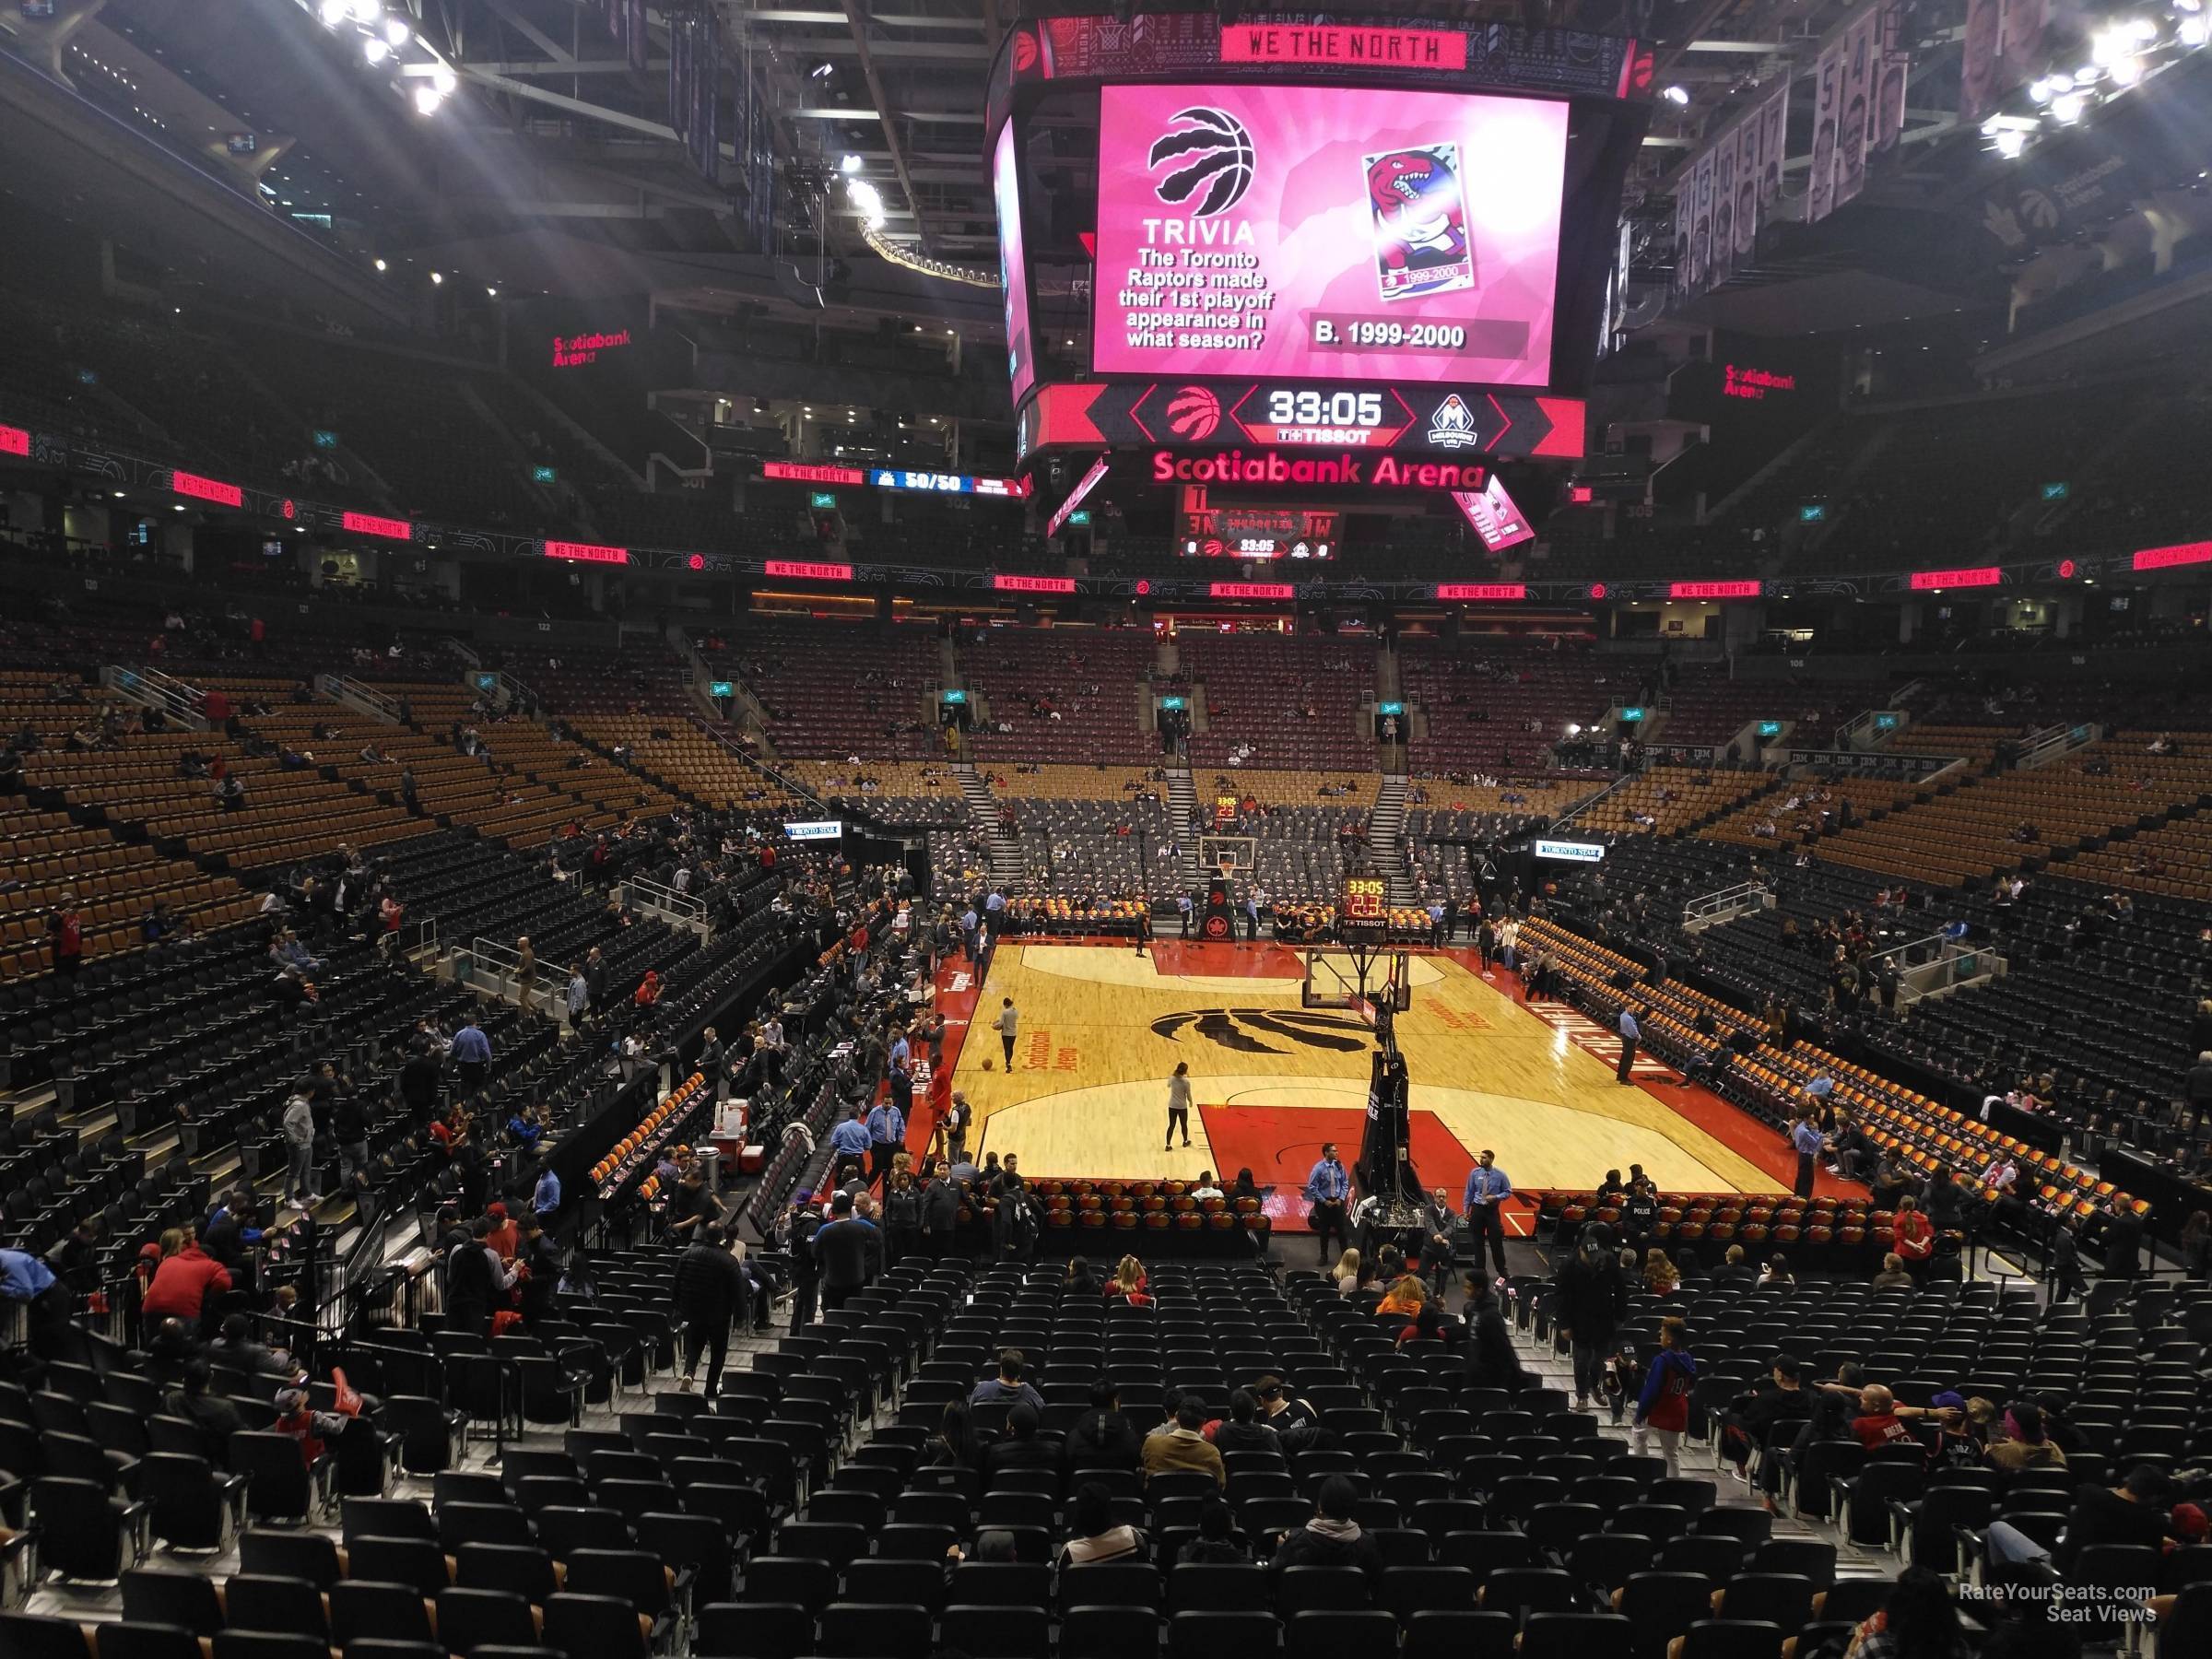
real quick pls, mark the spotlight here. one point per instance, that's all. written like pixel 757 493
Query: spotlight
pixel 380 265
pixel 2190 31
pixel 822 71
pixel 2127 71
pixel 444 80
pixel 426 101
pixel 849 164
pixel 2068 107
pixel 1677 95
pixel 374 49
pixel 368 11
pixel 491 293
pixel 397 32
pixel 2010 142
pixel 334 12
pixel 437 279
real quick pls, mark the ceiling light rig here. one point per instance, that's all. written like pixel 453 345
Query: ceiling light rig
pixel 867 202
pixel 389 40
pixel 2121 54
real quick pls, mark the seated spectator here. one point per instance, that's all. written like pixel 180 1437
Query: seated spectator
pixel 1102 1438
pixel 1243 1431
pixel 1659 1274
pixel 1747 1420
pixel 1008 1385
pixel 236 1348
pixel 1184 1446
pixel 2137 1510
pixel 1918 1620
pixel 1219 1543
pixel 1128 1283
pixel 1332 1538
pixel 215 1417
pixel 1346 1273
pixel 183 1281
pixel 2025 1445
pixel 1405 1296
pixel 1022 1447
pixel 1094 1538
pixel 1893 1276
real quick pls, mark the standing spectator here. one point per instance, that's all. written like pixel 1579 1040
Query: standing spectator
pixel 710 1290
pixel 849 1144
pixel 349 1128
pixel 1487 1190
pixel 887 1134
pixel 954 1126
pixel 1184 910
pixel 1806 1141
pixel 2196 1092
pixel 849 1249
pixel 940 1216
pixel 544 1198
pixel 901 1218
pixel 1913 1235
pixel 1179 1104
pixel 1630 1035
pixel 419 1082
pixel 1587 1308
pixel 712 1063
pixel 595 980
pixel 579 997
pixel 1328 1187
pixel 1662 1408
pixel 66 927
pixel 472 1056
pixel 1005 1025
pixel 525 974
pixel 805 1266
pixel 299 1147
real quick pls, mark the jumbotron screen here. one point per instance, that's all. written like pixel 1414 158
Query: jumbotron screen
pixel 1331 233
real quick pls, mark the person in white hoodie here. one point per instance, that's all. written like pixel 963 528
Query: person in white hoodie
pixel 299 1147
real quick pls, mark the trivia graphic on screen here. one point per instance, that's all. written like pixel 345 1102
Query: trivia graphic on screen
pixel 1336 234
pixel 1420 222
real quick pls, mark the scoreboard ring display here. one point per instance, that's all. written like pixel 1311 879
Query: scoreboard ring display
pixel 1365 910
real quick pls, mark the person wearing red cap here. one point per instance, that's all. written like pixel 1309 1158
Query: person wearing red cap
pixel 505 1238
pixel 184 1282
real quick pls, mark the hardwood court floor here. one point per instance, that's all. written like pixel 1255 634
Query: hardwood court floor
pixel 1102 1027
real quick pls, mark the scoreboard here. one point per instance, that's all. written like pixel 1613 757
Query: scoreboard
pixel 1366 907
pixel 1254 531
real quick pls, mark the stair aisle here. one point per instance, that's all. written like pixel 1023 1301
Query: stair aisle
pixel 982 811
pixel 1384 826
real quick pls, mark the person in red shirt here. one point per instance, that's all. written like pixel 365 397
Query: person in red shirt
pixel 1913 1234
pixel 66 924
pixel 187 1277
pixel 649 989
pixel 1881 1421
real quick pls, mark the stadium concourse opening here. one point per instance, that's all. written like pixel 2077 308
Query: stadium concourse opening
pixel 679 977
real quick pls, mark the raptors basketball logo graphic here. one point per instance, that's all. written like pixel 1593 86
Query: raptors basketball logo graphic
pixel 1420 222
pixel 1193 413
pixel 1212 160
pixel 1025 51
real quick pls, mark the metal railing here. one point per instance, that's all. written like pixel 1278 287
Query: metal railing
pixel 359 694
pixel 2039 748
pixel 679 908
pixel 1725 905
pixel 463 650
pixel 1936 964
pixel 185 704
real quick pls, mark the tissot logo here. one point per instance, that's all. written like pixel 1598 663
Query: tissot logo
pixel 1209 158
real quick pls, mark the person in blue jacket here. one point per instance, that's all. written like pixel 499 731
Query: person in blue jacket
pixel 1662 1408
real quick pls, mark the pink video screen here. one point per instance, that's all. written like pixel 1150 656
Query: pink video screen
pixel 1336 234
pixel 1013 268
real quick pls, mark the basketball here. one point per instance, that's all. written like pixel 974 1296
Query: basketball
pixel 988 1063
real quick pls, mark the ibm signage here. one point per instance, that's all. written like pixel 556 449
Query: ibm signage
pixel 1571 851
pixel 818 829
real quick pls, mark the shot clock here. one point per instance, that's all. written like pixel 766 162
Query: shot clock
pixel 1366 907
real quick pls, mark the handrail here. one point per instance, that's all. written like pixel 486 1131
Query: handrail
pixel 150 688
pixel 1591 800
pixel 463 650
pixel 2039 748
pixel 359 695
pixel 762 766
pixel 661 897
pixel 1726 899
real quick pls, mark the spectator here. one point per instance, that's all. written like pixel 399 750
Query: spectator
pixel 1021 1447
pixel 183 1281
pixel 2025 1444
pixel 1588 1306
pixel 1917 1620
pixel 1663 1407
pixel 711 1292
pixel 1184 1446
pixel 1009 1385
pixel 1094 1538
pixel 1490 1359
pixel 215 1417
pixel 472 1056
pixel 1102 1438
pixel 1332 1538
pixel 1218 1544
pixel 1893 1276
pixel 1659 1274
pixel 2134 1512
pixel 1913 1235
pixel 1244 1431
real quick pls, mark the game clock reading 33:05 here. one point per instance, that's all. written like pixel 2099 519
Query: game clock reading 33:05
pixel 1366 901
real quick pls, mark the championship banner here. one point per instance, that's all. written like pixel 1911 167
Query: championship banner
pixel 1774 134
pixel 1685 208
pixel 1701 224
pixel 1979 60
pixel 1724 213
pixel 1892 77
pixel 1828 108
pixel 1861 45
pixel 1749 138
pixel 2021 44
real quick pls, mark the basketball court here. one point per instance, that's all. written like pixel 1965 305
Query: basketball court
pixel 1102 1025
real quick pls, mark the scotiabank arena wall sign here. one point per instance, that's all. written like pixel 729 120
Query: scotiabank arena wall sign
pixel 1355 472
pixel 1405 420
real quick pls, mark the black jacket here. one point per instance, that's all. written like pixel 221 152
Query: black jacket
pixel 846 1252
pixel 418 1081
pixel 1102 1439
pixel 1589 1301
pixel 1306 1547
pixel 710 1286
